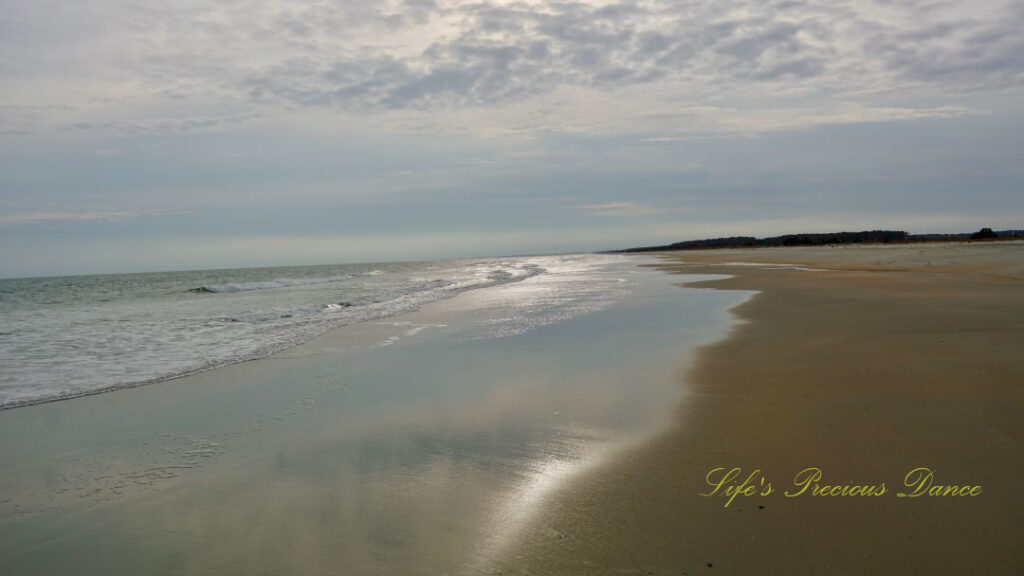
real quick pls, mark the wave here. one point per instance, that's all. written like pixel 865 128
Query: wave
pixel 262 327
pixel 267 284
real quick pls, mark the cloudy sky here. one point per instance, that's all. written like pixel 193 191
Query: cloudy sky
pixel 154 135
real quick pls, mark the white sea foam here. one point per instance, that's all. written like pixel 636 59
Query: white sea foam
pixel 66 337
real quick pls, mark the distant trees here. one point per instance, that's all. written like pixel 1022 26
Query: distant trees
pixel 872 236
pixel 833 238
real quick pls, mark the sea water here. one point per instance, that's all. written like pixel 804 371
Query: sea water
pixel 417 443
pixel 70 336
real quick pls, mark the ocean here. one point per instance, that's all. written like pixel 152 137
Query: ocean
pixel 63 337
pixel 406 418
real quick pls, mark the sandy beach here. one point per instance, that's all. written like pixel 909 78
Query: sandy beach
pixel 515 430
pixel 512 288
pixel 864 362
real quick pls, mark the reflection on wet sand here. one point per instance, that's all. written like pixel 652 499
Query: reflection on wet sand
pixel 421 457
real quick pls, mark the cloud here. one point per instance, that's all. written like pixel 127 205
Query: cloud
pixel 40 217
pixel 493 53
pixel 202 59
pixel 389 117
pixel 163 125
pixel 619 210
pixel 711 121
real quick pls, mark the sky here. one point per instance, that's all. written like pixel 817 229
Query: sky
pixel 140 135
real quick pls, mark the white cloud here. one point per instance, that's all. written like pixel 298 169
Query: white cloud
pixel 39 217
pixel 164 125
pixel 621 209
pixel 199 65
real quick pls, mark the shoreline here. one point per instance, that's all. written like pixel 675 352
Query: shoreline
pixel 421 443
pixel 266 351
pixel 889 359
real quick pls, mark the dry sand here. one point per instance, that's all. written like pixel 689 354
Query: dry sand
pixel 896 357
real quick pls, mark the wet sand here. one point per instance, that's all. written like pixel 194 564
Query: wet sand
pixel 894 358
pixel 413 445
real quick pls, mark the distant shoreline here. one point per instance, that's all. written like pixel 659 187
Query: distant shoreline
pixel 866 237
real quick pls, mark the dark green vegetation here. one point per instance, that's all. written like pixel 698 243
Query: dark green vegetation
pixel 865 237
